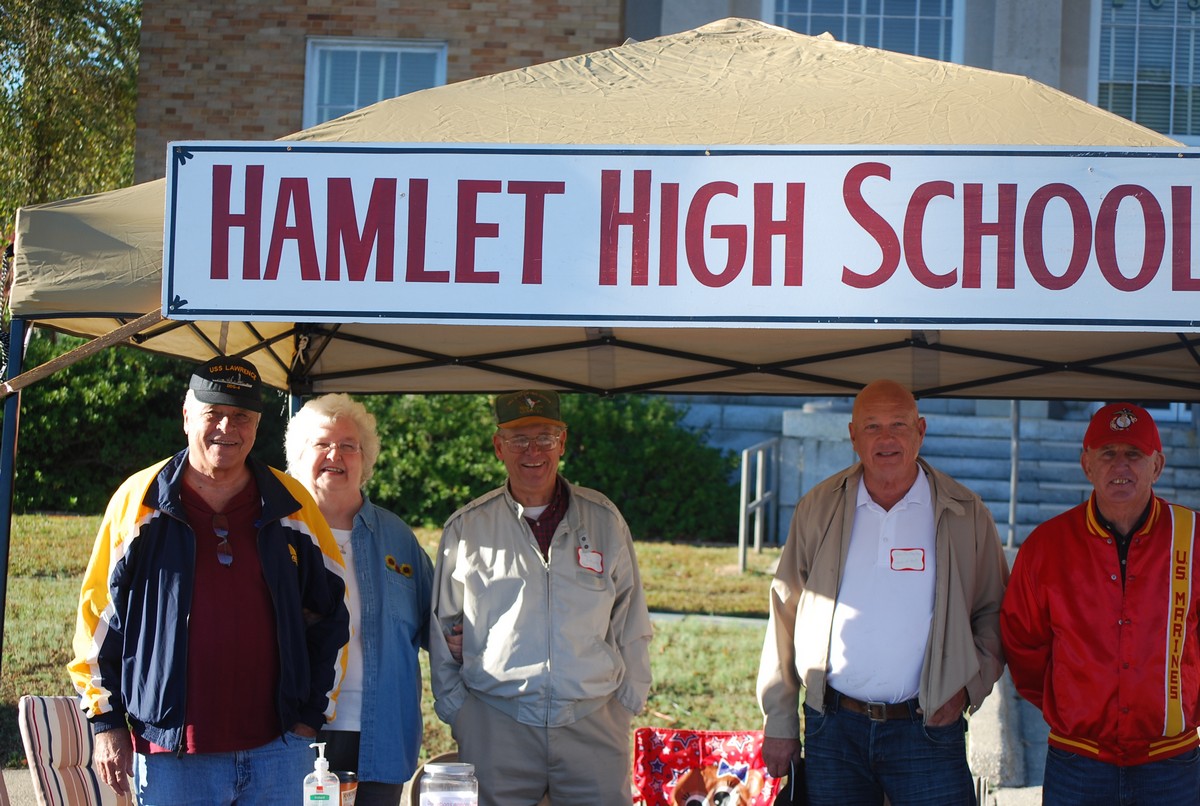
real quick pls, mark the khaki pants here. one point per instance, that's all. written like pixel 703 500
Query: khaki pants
pixel 586 762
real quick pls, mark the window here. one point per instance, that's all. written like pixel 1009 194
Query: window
pixel 1149 58
pixel 342 75
pixel 919 27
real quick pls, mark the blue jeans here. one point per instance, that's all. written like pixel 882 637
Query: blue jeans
pixel 852 761
pixel 271 774
pixel 1074 780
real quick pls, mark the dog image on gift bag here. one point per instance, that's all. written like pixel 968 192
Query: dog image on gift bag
pixel 720 784
pixel 675 767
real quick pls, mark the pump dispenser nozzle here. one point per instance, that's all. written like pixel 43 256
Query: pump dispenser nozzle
pixel 320 784
pixel 322 763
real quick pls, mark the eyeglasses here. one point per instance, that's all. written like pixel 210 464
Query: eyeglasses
pixel 236 417
pixel 220 526
pixel 346 448
pixel 544 442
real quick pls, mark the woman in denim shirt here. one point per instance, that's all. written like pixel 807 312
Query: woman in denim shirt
pixel 332 445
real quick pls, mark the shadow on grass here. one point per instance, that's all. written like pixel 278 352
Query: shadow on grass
pixel 692 615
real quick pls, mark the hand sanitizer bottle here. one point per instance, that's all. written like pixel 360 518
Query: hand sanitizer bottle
pixel 321 787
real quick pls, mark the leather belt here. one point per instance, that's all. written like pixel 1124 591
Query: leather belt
pixel 875 711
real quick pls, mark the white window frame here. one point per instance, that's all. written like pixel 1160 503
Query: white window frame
pixel 957 25
pixel 318 44
pixel 1094 66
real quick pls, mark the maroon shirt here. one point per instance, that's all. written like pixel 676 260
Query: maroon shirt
pixel 233 654
pixel 544 526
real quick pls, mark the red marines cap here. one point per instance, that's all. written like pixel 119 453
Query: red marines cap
pixel 1123 422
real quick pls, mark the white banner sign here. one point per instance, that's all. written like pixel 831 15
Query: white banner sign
pixel 1032 238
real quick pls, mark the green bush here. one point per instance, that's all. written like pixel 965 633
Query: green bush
pixel 437 455
pixel 88 426
pixel 668 483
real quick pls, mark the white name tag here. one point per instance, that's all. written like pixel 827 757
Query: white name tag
pixel 908 559
pixel 591 560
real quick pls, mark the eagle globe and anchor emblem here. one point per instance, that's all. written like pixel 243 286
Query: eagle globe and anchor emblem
pixel 1123 420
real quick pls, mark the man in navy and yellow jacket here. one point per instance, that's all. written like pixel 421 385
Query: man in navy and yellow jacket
pixel 210 638
pixel 1099 625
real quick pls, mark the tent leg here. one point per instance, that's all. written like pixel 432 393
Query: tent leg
pixel 8 463
pixel 1014 447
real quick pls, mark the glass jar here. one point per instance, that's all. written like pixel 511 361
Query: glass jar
pixel 449 783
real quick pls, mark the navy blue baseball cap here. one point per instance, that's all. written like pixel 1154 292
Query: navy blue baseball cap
pixel 225 381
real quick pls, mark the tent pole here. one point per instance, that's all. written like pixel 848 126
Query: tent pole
pixel 15 383
pixel 8 455
pixel 1015 449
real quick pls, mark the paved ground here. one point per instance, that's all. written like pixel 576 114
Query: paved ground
pixel 20 787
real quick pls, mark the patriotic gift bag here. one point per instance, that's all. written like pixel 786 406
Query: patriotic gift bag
pixel 700 768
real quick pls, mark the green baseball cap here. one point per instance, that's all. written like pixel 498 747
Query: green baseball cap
pixel 527 407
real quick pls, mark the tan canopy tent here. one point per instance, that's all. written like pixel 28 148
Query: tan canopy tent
pixel 93 266
pixel 86 266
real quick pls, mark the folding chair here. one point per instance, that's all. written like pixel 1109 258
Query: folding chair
pixel 59 745
pixel 673 767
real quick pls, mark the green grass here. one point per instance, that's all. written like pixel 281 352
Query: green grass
pixel 704 669
pixel 47 556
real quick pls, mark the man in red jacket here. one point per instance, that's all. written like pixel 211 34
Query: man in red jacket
pixel 1099 627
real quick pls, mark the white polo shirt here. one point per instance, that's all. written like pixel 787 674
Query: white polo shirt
pixel 885 602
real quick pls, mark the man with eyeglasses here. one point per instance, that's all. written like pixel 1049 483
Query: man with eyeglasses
pixel 539 643
pixel 211 629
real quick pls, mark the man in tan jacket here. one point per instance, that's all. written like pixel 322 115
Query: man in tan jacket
pixel 885 610
pixel 539 650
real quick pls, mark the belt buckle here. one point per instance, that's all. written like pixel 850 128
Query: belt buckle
pixel 877 711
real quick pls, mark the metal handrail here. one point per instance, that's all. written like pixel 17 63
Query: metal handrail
pixel 759 497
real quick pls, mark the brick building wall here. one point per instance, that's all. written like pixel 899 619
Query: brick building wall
pixel 221 70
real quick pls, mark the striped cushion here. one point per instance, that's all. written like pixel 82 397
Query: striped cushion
pixel 58 747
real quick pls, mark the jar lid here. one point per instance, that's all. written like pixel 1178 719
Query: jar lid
pixel 449 768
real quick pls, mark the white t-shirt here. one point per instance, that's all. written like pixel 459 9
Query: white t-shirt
pixel 349 703
pixel 533 513
pixel 885 602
